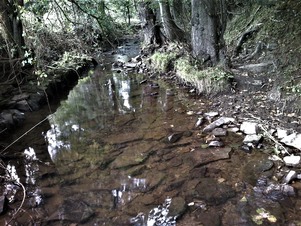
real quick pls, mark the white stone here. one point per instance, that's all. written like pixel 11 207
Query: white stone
pixel 281 133
pixel 233 130
pixel 254 139
pixel 292 160
pixel 249 128
pixel 290 176
pixel 293 140
pixel 211 114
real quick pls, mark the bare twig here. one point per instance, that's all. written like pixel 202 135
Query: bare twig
pixel 262 125
pixel 24 134
pixel 22 203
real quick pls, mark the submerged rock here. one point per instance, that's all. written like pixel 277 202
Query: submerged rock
pixel 174 137
pixel 277 192
pixel 213 192
pixel 202 157
pixel 132 156
pixel 76 211
pixel 177 207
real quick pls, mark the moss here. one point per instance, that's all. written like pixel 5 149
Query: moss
pixel 211 80
pixel 163 61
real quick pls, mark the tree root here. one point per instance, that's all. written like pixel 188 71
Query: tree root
pixel 245 36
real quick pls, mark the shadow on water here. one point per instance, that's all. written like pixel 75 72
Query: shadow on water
pixel 125 151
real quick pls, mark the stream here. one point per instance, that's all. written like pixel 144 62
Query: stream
pixel 123 149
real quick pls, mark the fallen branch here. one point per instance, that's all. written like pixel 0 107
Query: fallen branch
pixel 262 125
pixel 21 205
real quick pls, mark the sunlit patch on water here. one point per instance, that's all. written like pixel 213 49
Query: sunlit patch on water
pixel 11 187
pixel 158 216
pixel 124 194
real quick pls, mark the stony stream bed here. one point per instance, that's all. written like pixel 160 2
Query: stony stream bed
pixel 125 149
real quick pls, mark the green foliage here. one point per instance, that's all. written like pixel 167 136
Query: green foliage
pixel 211 80
pixel 162 61
pixel 263 214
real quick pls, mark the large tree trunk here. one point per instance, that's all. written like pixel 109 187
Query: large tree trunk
pixel 151 30
pixel 172 31
pixel 12 24
pixel 208 27
pixel 181 14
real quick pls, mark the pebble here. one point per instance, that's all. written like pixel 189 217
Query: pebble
pixel 216 143
pixel 290 176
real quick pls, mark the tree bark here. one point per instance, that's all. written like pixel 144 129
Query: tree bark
pixel 208 25
pixel 172 31
pixel 12 24
pixel 181 14
pixel 151 30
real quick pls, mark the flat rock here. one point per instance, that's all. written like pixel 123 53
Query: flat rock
pixel 213 192
pixel 281 133
pixel 132 156
pixel 258 68
pixel 249 128
pixel 202 157
pixel 219 132
pixel 20 97
pixel 73 210
pixel 254 139
pixel 292 160
pixel 219 122
pixel 293 140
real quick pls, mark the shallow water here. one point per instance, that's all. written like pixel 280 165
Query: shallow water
pixel 125 151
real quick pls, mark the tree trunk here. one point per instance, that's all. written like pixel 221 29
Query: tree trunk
pixel 208 27
pixel 151 30
pixel 12 24
pixel 172 31
pixel 181 14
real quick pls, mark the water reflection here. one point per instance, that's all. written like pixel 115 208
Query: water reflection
pixel 31 171
pixel 94 104
pixel 11 187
